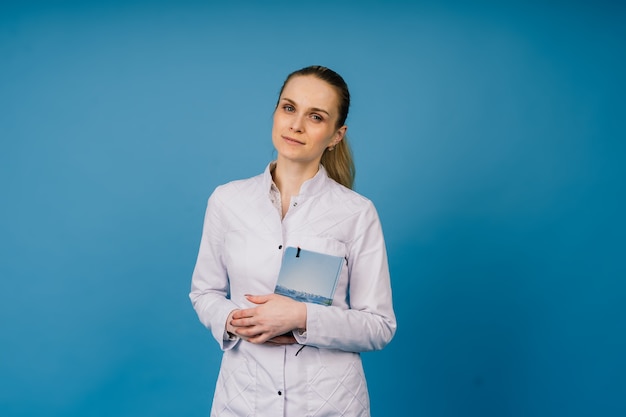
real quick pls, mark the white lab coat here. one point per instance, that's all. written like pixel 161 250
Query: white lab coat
pixel 241 249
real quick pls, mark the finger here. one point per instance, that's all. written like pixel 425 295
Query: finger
pixel 246 332
pixel 259 339
pixel 282 340
pixel 242 314
pixel 245 322
pixel 257 299
pixel 271 342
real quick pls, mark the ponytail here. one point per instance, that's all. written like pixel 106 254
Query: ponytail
pixel 339 163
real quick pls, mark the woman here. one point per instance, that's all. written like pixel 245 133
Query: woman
pixel 284 357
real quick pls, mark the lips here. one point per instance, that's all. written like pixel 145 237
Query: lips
pixel 292 140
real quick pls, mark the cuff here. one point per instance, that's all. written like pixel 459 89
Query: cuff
pixel 301 335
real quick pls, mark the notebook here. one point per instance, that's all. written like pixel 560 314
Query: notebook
pixel 309 276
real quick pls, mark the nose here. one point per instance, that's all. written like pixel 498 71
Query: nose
pixel 297 124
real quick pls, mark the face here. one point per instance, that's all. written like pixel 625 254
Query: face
pixel 305 120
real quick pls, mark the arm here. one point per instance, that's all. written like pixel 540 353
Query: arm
pixel 209 283
pixel 369 323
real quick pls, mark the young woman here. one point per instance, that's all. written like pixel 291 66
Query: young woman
pixel 284 357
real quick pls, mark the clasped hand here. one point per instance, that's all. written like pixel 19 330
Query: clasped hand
pixel 271 321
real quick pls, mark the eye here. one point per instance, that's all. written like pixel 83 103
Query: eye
pixel 317 117
pixel 288 108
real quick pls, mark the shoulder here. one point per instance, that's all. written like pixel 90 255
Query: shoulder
pixel 346 214
pixel 349 200
pixel 347 195
pixel 238 190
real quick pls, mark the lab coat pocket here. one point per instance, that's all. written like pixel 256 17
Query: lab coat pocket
pixel 327 245
pixel 337 385
pixel 235 391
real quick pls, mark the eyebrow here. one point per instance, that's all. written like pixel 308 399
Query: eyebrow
pixel 316 109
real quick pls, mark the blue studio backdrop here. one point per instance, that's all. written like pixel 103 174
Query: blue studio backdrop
pixel 490 137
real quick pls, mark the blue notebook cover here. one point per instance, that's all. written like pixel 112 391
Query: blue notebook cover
pixel 309 276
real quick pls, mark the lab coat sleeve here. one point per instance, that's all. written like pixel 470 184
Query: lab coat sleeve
pixel 209 283
pixel 369 323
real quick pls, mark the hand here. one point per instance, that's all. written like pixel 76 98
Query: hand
pixel 283 339
pixel 274 316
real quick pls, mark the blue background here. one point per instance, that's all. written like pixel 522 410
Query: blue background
pixel 490 137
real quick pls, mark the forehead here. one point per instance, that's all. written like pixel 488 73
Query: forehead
pixel 310 91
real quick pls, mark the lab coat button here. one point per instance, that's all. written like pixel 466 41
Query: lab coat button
pixel 280 393
pixel 280 246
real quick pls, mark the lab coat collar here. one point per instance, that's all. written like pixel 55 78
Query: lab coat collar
pixel 310 187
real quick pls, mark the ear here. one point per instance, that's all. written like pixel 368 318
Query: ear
pixel 339 135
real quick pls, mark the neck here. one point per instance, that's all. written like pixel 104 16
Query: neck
pixel 289 176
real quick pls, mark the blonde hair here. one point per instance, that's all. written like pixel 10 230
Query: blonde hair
pixel 339 162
